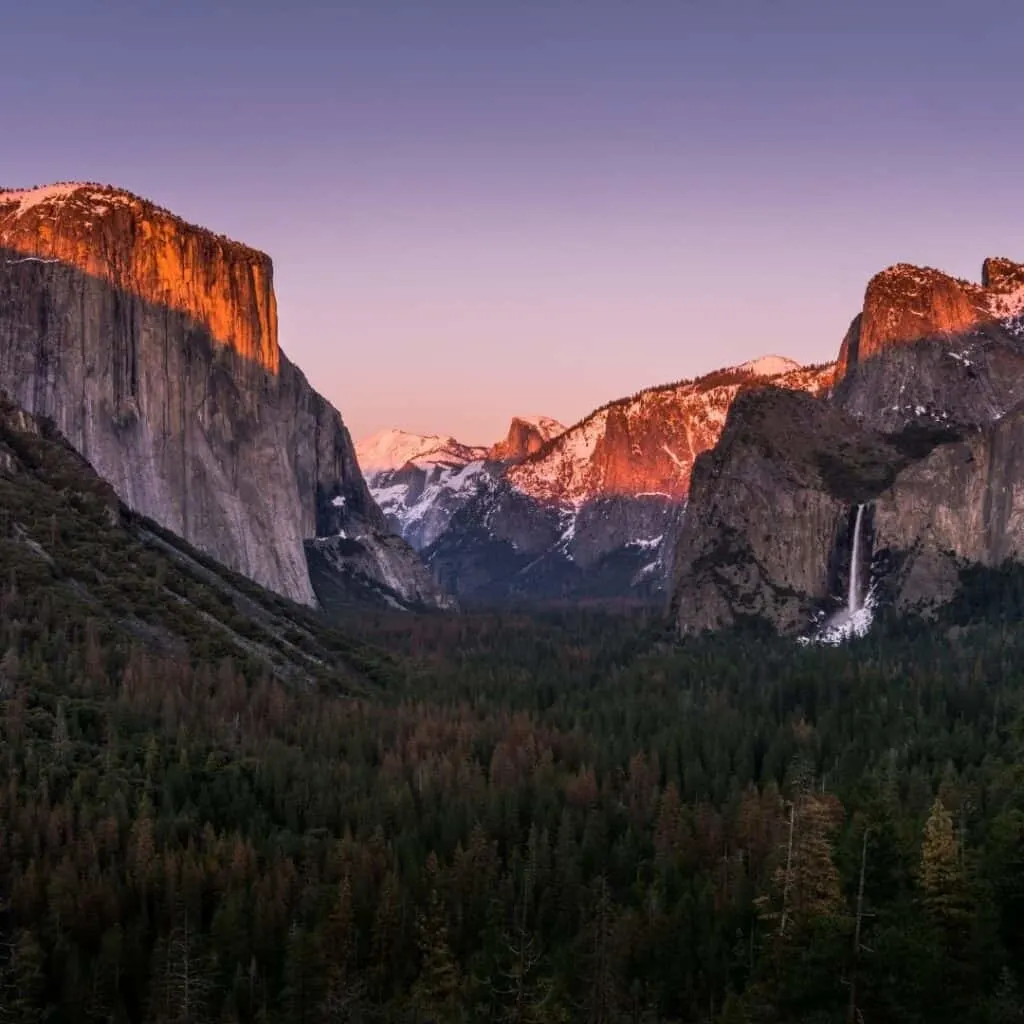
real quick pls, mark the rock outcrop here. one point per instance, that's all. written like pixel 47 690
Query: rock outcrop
pixel 526 436
pixel 153 346
pixel 905 304
pixel 767 532
pixel 922 430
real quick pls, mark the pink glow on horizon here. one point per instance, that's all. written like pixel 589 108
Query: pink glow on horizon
pixel 477 210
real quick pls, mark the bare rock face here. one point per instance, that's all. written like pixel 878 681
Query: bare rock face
pixel 593 512
pixel 922 432
pixel 767 508
pixel 968 379
pixel 646 444
pixel 153 346
pixel 905 304
pixel 525 437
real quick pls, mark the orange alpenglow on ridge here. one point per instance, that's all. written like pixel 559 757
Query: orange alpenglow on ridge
pixel 905 304
pixel 141 249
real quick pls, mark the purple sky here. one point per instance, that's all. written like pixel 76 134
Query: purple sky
pixel 490 207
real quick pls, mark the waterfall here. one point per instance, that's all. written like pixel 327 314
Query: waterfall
pixel 853 598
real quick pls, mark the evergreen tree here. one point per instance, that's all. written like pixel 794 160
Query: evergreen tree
pixel 23 996
pixel 303 978
pixel 947 906
pixel 438 990
pixel 344 991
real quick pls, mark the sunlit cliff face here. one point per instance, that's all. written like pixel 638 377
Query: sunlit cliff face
pixel 146 251
pixel 905 303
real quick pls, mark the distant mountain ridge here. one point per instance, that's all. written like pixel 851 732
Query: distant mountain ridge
pixel 395 449
pixel 590 511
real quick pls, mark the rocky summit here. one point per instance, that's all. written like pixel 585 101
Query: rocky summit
pixel 526 436
pixel 152 345
pixel 898 478
pixel 904 304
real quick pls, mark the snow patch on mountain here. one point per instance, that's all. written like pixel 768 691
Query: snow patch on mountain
pixel 420 500
pixel 393 449
pixel 648 442
pixel 594 501
pixel 547 427
pixel 1007 305
pixel 97 198
pixel 768 366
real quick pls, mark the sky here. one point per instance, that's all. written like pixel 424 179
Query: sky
pixel 483 208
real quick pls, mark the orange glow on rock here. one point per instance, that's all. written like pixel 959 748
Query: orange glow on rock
pixel 141 249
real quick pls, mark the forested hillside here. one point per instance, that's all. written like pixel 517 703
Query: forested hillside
pixel 484 818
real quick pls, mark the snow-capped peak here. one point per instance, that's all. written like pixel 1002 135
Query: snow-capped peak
pixel 393 449
pixel 768 366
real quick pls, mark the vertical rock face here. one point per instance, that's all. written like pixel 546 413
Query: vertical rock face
pixel 153 345
pixel 905 304
pixel 924 429
pixel 593 511
pixel 525 437
pixel 737 555
pixel 646 444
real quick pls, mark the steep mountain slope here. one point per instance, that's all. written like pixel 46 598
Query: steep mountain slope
pixel 420 481
pixel 646 444
pixel 593 511
pixel 69 544
pixel 153 345
pixel 913 455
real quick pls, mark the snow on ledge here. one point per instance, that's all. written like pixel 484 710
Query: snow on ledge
pixel 769 366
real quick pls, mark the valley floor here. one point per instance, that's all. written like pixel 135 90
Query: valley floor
pixel 563 816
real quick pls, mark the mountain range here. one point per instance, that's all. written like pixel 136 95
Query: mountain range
pixel 554 513
pixel 808 497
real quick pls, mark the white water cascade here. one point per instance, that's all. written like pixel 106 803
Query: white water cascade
pixel 853 597
pixel 855 619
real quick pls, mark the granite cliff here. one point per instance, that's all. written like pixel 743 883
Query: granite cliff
pixel 921 433
pixel 526 435
pixel 564 514
pixel 152 344
pixel 904 304
pixel 68 543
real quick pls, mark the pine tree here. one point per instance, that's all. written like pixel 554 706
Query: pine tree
pixel 385 938
pixel 808 945
pixel 343 997
pixel 525 996
pixel 942 878
pixel 8 672
pixel 1006 1006
pixel 602 960
pixel 181 976
pixel 437 992
pixel 23 983
pixel 806 881
pixel 303 974
pixel 947 906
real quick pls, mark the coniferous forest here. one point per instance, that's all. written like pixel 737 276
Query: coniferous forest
pixel 493 816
